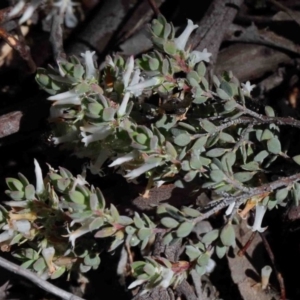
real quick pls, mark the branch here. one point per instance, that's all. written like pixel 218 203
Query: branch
pixel 45 285
pixel 56 35
pixel 5 13
pixel 19 46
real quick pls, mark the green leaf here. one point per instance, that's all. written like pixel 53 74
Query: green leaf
pixel 39 265
pixel 296 159
pixel 222 94
pixel 96 223
pixel 217 175
pixel 139 223
pixel 251 166
pixel 261 156
pixel 243 176
pixel 62 184
pixel 192 252
pixel 114 213
pixel 281 194
pixel 169 47
pixel 130 230
pixel 195 162
pixel 190 212
pixel 182 139
pixel 221 251
pixel 149 269
pixel 269 111
pixel 267 134
pixel 225 86
pixel 230 105
pixel 200 270
pixel 170 149
pixel 211 236
pixel 227 235
pixel 76 197
pixel 203 260
pixel 190 176
pixel 58 272
pixel 184 229
pixel 216 152
pixel 91 260
pixel 169 222
pixel 201 69
pixel 274 146
pixel 199 144
pixel 14 184
pixel 30 192
pixel 226 137
pixel 208 126
pixel 105 232
pixel 168 238
pixel 144 233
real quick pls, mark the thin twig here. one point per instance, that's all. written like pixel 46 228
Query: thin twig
pixel 197 284
pixel 242 251
pixel 19 46
pixel 56 36
pixel 45 285
pixel 154 7
pixel 272 258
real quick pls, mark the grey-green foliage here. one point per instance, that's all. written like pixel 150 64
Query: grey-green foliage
pixel 205 136
pixel 111 115
pixel 63 218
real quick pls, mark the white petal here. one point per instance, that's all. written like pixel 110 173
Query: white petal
pixel 145 84
pixel 197 56
pixel 122 109
pixel 39 178
pixel 91 71
pixel 136 283
pixel 22 226
pixel 181 41
pixel 17 8
pixel 121 160
pixel 128 70
pixel 6 235
pixel 144 168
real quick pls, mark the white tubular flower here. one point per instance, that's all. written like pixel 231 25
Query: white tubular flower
pixel 230 209
pixel 17 8
pixel 6 235
pixel 40 188
pixel 90 70
pixel 197 56
pixel 167 275
pixel 98 135
pixel 95 167
pixel 128 157
pixel 79 232
pixel 122 109
pixel 22 226
pixel 69 97
pixel 34 4
pixel 70 18
pixel 141 170
pixel 136 283
pixel 181 41
pixel 48 254
pixel 259 215
pixel 128 70
pixel 69 137
pixel 247 87
pixel 139 87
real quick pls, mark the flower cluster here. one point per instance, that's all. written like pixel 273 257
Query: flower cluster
pixel 63 7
